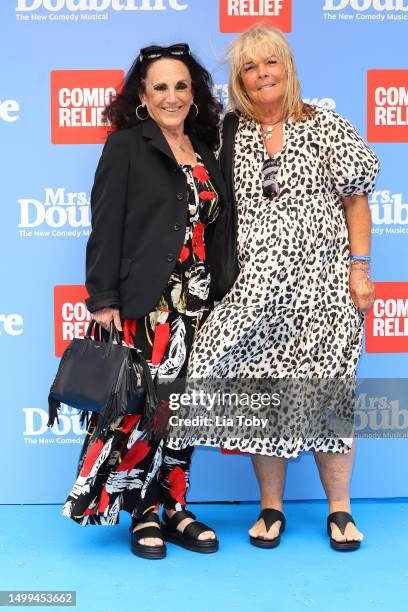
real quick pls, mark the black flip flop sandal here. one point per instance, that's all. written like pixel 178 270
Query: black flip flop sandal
pixel 141 550
pixel 341 519
pixel 270 516
pixel 188 538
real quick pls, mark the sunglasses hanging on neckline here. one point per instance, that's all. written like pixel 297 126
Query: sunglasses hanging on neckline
pixel 270 186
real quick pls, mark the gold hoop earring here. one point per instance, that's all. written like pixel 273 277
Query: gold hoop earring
pixel 196 110
pixel 137 113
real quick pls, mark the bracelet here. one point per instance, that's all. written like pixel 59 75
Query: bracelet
pixel 360 263
pixel 362 269
pixel 360 258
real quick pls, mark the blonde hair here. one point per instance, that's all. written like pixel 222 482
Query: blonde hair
pixel 248 45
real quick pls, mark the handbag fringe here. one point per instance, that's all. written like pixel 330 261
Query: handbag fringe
pixel 117 402
pixel 151 399
pixel 116 406
pixel 53 404
pixel 85 418
pixel 53 407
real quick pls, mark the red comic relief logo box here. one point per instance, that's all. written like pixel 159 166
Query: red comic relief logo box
pixel 387 320
pixel 238 15
pixel 387 106
pixel 78 98
pixel 71 316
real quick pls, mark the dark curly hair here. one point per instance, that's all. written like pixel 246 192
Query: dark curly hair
pixel 121 110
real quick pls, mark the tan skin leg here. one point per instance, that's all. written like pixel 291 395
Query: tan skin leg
pixel 335 473
pixel 270 472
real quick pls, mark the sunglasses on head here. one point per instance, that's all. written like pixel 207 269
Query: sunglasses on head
pixel 154 51
pixel 270 186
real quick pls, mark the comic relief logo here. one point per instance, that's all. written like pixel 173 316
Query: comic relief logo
pixel 387 320
pixel 238 15
pixel 9 110
pixel 68 431
pixel 71 316
pixel 59 214
pixel 387 106
pixel 78 98
pixel 11 324
pixel 366 10
pixel 389 213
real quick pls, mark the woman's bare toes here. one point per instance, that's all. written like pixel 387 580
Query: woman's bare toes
pixel 207 535
pixel 336 533
pixel 148 541
pixel 352 533
pixel 258 530
pixel 273 531
pixel 151 542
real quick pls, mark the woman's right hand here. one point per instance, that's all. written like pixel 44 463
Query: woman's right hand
pixel 106 315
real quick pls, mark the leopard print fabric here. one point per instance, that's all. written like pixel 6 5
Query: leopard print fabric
pixel 290 313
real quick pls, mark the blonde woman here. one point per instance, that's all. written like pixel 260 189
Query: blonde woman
pixel 299 178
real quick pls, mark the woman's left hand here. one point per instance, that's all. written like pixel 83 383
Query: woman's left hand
pixel 361 289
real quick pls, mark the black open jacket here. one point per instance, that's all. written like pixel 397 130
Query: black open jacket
pixel 139 204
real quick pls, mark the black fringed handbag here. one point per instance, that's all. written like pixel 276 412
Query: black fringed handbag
pixel 106 377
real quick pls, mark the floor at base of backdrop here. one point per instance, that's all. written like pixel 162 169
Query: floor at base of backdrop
pixel 41 550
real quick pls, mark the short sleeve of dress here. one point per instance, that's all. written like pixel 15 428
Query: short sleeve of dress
pixel 352 164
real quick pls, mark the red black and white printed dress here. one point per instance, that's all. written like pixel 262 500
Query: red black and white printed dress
pixel 123 470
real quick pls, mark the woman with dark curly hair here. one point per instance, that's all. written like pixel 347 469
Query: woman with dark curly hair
pixel 155 201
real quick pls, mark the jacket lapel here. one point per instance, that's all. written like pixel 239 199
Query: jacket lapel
pixel 152 132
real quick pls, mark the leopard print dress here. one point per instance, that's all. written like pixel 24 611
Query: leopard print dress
pixel 290 314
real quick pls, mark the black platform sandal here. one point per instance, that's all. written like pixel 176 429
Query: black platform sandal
pixel 141 550
pixel 341 519
pixel 270 516
pixel 188 538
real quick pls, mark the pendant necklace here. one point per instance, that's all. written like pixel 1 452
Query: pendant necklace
pixel 267 131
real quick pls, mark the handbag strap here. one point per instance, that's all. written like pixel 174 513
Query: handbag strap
pixel 94 327
pixel 91 326
pixel 114 335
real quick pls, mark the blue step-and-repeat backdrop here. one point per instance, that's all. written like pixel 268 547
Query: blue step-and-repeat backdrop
pixel 61 59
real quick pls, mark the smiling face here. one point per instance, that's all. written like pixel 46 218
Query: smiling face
pixel 265 80
pixel 168 92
